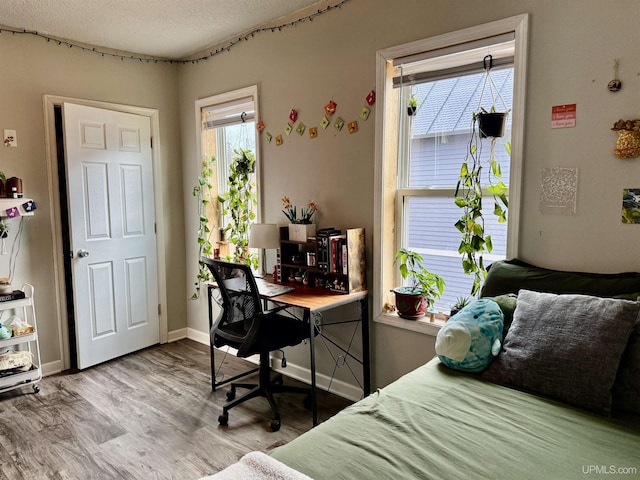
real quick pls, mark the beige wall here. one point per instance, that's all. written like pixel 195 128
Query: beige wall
pixel 572 46
pixel 32 67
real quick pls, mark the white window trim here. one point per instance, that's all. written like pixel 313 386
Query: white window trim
pixel 383 242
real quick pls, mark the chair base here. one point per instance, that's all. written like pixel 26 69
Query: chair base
pixel 266 387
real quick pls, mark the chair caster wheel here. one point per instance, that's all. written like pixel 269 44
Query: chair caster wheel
pixel 275 424
pixel 231 394
pixel 36 388
pixel 223 419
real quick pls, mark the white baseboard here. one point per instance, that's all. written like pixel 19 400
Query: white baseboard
pixel 176 335
pixel 303 374
pixel 51 368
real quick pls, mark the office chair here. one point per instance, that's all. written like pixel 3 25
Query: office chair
pixel 245 326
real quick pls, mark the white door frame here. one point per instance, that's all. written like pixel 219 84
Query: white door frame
pixel 49 101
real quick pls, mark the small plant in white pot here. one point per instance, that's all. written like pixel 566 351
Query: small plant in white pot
pixel 424 287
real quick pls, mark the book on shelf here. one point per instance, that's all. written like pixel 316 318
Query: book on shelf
pixel 323 247
pixel 15 295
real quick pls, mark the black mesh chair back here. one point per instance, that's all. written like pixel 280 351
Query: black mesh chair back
pixel 241 305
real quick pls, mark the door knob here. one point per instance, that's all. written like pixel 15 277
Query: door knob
pixel 83 253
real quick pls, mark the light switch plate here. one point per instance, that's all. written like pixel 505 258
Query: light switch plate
pixel 10 138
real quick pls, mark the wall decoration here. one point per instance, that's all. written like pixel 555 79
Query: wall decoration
pixel 260 126
pixel 631 205
pixel 330 108
pixel 628 143
pixel 293 115
pixel 324 123
pixel 371 98
pixel 338 124
pixel 268 136
pixel 313 132
pixel 288 129
pixel 558 193
pixel 615 84
pixel 364 113
pixel 301 128
pixel 353 127
pixel 278 140
pixel 563 116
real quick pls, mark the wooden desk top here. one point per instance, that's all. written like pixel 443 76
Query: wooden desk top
pixel 315 299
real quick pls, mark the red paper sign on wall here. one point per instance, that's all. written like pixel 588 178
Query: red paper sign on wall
pixel 563 116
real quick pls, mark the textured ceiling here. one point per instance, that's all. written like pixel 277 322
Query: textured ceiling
pixel 172 29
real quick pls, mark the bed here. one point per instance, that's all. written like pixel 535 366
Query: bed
pixel 568 408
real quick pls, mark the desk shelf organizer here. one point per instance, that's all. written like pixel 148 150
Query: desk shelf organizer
pixel 9 379
pixel 332 260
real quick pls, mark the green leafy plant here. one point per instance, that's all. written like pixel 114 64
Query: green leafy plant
pixel 469 195
pixel 291 212
pixel 240 203
pixel 459 304
pixel 204 194
pixel 421 281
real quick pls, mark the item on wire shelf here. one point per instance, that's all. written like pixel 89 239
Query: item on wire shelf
pixel 19 326
pixel 5 332
pixel 5 286
pixel 10 360
pixel 13 295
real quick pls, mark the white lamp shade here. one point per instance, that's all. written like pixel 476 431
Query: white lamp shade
pixel 264 235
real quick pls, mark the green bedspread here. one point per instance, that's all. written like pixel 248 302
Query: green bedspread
pixel 435 423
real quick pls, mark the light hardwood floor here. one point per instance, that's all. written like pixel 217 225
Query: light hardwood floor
pixel 148 415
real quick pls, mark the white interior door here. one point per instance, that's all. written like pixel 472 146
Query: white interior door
pixel 112 231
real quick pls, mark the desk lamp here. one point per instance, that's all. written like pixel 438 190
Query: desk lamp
pixel 264 235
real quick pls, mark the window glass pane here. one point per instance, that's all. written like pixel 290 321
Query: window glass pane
pixel 430 231
pixel 439 130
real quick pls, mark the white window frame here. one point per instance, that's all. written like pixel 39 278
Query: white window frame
pixel 385 274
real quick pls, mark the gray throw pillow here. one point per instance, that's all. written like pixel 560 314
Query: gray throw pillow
pixel 626 389
pixel 566 347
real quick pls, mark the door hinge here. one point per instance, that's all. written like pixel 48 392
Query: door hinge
pixel 151 141
pixel 155 228
pixel 159 309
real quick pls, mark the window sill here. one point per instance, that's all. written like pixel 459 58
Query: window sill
pixel 422 325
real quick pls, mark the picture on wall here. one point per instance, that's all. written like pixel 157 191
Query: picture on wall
pixel 631 205
pixel 559 190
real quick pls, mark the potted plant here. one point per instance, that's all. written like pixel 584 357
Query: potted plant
pixel 240 203
pixel 412 106
pixel 459 304
pixel 471 187
pixel 300 228
pixel 203 192
pixel 424 287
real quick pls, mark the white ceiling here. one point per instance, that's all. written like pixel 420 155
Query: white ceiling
pixel 172 29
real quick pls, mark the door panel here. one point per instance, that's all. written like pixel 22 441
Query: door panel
pixel 111 207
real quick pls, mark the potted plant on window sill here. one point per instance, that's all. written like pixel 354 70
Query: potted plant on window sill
pixel 412 106
pixel 423 289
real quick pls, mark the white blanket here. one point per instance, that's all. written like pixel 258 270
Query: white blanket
pixel 258 466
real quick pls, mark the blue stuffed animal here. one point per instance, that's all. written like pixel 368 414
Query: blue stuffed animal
pixel 472 337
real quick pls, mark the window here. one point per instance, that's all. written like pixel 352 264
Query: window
pixel 227 124
pixel 432 143
pixel 419 157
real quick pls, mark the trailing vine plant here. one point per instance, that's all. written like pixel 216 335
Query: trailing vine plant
pixel 240 202
pixel 469 189
pixel 469 195
pixel 204 192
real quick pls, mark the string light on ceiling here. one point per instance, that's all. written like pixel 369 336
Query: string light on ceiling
pixel 145 59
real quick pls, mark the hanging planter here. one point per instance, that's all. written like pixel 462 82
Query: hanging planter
pixel 492 124
pixel 485 123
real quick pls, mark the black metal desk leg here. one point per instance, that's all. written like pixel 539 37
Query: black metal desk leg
pixel 312 330
pixel 211 349
pixel 366 360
